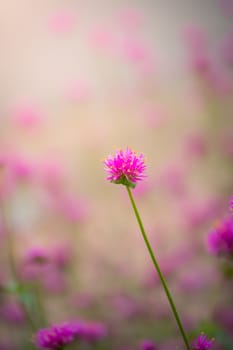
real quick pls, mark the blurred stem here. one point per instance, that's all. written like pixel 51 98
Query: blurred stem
pixel 10 246
pixel 156 265
pixel 40 304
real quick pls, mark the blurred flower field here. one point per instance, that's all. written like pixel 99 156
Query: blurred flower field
pixel 83 86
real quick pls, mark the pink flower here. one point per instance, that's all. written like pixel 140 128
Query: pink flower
pixel 125 168
pixel 202 343
pixel 62 21
pixel 130 19
pixel 78 91
pixel 26 115
pixel 147 344
pixel 12 312
pixel 101 38
pixel 197 47
pixel 135 51
pixel 220 239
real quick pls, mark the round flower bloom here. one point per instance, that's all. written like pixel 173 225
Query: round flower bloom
pixel 125 167
pixel 147 345
pixel 202 343
pixel 55 337
pixel 220 240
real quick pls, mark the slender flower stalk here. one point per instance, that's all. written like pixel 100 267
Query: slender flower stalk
pixel 127 168
pixel 156 265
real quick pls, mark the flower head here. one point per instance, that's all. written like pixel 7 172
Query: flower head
pixel 220 240
pixel 202 343
pixel 147 345
pixel 125 167
pixel 55 337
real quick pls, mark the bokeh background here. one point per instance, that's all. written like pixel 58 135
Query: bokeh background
pixel 78 81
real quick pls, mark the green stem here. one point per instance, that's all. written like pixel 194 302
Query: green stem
pixel 156 265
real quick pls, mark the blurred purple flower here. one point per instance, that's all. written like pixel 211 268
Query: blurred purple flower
pixel 220 239
pixel 12 312
pixel 172 178
pixel 54 280
pixel 125 167
pixel 20 167
pixel 202 343
pixel 61 255
pixel 124 305
pixel 72 208
pixel 55 337
pixel 198 212
pixel 147 345
pixel 195 145
pixel 51 175
pixel 93 331
pixel 36 255
pixel 197 46
pixel 224 317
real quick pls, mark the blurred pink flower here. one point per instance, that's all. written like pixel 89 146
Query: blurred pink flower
pixel 147 344
pixel 21 168
pixel 195 38
pixel 124 305
pixel 153 115
pixel 51 175
pixel 220 238
pixel 62 21
pixel 78 91
pixel 102 38
pixel 54 280
pixel 12 312
pixel 26 115
pixel 195 146
pixel 199 212
pixel 6 179
pixel 72 208
pixel 220 81
pixel 37 255
pixel 196 43
pixel 202 343
pixel 196 280
pixel 135 50
pixel 172 179
pixel 61 255
pixel 130 19
pixel 83 301
pixel 14 168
